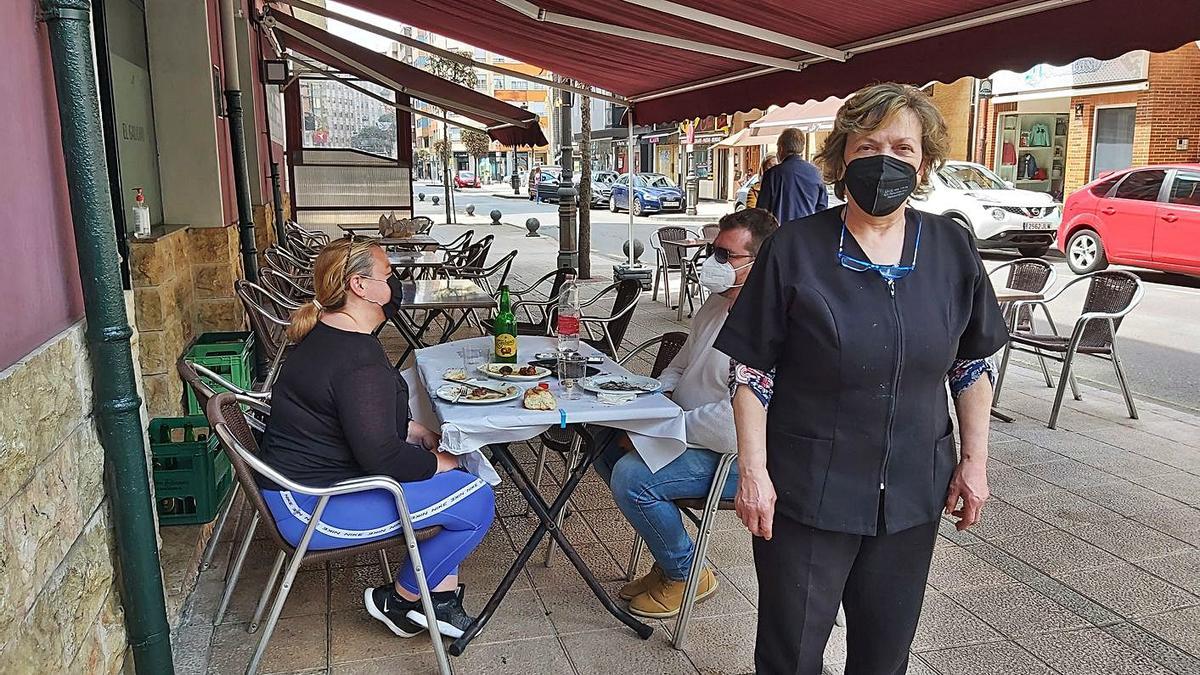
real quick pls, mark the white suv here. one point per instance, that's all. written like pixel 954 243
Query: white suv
pixel 1000 215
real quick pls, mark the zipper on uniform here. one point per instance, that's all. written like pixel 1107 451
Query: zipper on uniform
pixel 899 351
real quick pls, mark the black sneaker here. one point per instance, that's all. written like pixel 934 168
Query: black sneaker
pixel 392 611
pixel 452 619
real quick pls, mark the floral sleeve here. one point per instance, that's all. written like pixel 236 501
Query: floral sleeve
pixel 759 382
pixel 965 372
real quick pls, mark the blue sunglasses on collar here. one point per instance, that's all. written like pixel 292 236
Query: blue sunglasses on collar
pixel 889 272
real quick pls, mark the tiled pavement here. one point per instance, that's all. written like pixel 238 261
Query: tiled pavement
pixel 1086 562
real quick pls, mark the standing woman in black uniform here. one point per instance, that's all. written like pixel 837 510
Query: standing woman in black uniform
pixel 862 312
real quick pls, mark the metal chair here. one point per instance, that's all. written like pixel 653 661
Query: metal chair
pixel 490 279
pixel 295 290
pixel 669 258
pixel 269 318
pixel 202 381
pixel 1036 276
pixel 474 255
pixel 1111 295
pixel 229 423
pixel 605 333
pixel 292 227
pixel 287 263
pixel 711 231
pixel 456 247
pixel 424 224
pixel 529 300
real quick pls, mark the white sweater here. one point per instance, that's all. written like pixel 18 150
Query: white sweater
pixel 699 378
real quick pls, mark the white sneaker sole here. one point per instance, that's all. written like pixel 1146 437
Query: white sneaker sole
pixel 369 602
pixel 444 628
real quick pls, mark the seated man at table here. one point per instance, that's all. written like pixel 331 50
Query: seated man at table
pixel 340 411
pixel 697 380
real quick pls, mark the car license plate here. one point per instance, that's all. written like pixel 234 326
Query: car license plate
pixel 1038 225
pixel 670 203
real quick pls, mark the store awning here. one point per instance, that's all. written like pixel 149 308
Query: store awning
pixel 810 116
pixel 696 58
pixel 732 141
pixel 505 123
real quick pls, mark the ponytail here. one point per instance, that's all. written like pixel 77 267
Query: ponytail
pixel 332 270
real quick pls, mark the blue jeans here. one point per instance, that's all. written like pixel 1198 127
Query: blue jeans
pixel 646 498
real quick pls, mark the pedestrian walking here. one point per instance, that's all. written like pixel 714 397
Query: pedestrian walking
pixel 752 196
pixel 792 189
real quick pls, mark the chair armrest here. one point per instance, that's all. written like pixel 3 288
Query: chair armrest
pixel 206 372
pixel 532 287
pixel 641 348
pixel 599 295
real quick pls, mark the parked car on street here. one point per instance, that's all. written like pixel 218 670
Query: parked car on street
pixel 999 215
pixel 652 192
pixel 466 179
pixel 1146 216
pixel 602 181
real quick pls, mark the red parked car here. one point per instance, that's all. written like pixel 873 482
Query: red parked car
pixel 1147 216
pixel 464 179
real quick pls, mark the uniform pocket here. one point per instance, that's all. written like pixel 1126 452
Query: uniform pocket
pixel 945 458
pixel 798 466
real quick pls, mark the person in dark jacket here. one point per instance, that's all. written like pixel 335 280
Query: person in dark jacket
pixel 846 453
pixel 793 188
pixel 340 411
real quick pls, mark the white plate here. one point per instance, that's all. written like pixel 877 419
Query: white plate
pixel 490 368
pixel 450 392
pixel 645 385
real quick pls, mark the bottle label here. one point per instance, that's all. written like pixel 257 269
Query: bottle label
pixel 506 346
pixel 568 325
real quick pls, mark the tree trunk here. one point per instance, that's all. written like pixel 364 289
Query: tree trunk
pixel 585 188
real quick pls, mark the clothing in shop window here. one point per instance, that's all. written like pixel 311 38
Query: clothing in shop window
pixel 1028 166
pixel 1008 155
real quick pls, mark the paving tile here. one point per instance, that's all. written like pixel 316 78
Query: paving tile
pixel 1180 627
pixel 1129 539
pixel 1128 499
pixel 1065 510
pixel 309 595
pixel 835 649
pixel 1020 453
pixel 1056 552
pixel 941 611
pixel 521 616
pixel 1012 484
pixel 1178 485
pixel 957 567
pixel 730 549
pixel 483 570
pixel 617 650
pixel 610 525
pixel 745 578
pixel 189 649
pixel 536 656
pixel 1090 651
pixel 1127 590
pixel 1182 523
pixel 422 662
pixel 1067 473
pixel 1150 446
pixel 720 645
pixel 574 609
pixel 992 658
pixel 1181 569
pixel 1016 610
pixel 561 573
pixel 1001 519
pixel 1152 646
pixel 355 636
pixel 1117 461
pixel 297 644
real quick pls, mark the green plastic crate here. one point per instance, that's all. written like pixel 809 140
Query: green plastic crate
pixel 192 475
pixel 230 355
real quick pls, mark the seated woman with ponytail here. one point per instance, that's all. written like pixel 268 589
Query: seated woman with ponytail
pixel 340 410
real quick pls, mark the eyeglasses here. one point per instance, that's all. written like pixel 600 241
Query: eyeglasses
pixel 888 272
pixel 723 255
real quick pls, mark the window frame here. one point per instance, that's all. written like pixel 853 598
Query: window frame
pixel 1163 184
pixel 1174 175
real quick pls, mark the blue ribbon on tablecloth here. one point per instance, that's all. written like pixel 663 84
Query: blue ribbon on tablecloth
pixel 562 418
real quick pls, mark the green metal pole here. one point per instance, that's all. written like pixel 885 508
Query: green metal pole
pixel 241 181
pixel 117 403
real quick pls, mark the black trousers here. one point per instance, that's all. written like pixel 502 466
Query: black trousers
pixel 804 572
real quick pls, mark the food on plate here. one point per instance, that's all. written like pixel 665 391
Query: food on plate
pixel 540 398
pixel 456 375
pixel 620 385
pixel 505 370
pixel 528 371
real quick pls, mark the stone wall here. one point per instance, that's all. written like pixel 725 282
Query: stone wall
pixel 183 286
pixel 59 604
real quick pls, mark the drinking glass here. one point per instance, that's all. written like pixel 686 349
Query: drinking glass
pixel 572 366
pixel 473 357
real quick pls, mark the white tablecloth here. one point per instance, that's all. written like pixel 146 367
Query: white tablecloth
pixel 654 422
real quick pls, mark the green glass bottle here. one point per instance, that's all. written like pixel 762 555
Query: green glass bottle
pixel 504 330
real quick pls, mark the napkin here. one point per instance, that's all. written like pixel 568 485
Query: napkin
pixel 616 398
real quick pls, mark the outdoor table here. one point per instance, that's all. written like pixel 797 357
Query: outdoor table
pixel 352 229
pixel 415 264
pixel 1006 297
pixel 436 296
pixel 416 241
pixel 654 423
pixel 685 245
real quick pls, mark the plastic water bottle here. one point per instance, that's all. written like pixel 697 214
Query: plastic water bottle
pixel 568 316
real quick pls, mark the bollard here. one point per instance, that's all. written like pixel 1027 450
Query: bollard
pixel 532 225
pixel 470 209
pixel 420 196
pixel 638 249
pixel 436 199
pixel 495 214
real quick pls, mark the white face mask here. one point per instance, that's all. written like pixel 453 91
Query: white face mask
pixel 719 277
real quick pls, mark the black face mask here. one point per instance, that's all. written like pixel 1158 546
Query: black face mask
pixel 880 184
pixel 392 308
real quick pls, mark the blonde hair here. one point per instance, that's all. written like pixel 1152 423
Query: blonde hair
pixel 791 142
pixel 337 263
pixel 873 107
pixel 766 163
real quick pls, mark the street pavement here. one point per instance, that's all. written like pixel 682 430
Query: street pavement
pixel 1160 341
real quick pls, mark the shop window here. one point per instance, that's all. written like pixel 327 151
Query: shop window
pixel 1141 185
pixel 1112 145
pixel 1186 189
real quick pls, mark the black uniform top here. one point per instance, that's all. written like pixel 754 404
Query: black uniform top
pixel 340 410
pixel 860 368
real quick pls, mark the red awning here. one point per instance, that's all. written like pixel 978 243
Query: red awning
pixel 807 116
pixel 505 123
pixel 914 41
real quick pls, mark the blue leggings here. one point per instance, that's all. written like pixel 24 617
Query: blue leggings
pixel 460 503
